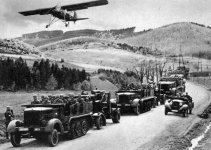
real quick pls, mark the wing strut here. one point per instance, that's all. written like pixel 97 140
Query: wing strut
pixel 52 21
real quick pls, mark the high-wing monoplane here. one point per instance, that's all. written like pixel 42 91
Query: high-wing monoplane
pixel 65 13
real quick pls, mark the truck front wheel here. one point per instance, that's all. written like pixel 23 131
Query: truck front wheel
pixel 137 110
pixel 15 139
pixel 53 138
pixel 99 122
pixel 116 117
pixel 166 111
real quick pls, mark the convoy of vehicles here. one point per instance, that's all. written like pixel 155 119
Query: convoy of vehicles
pixel 73 115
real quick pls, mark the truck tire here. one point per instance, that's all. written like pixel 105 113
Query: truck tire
pixel 184 113
pixel 137 110
pixel 166 111
pixel 149 106
pixel 15 139
pixel 116 117
pixel 78 129
pixel 84 127
pixel 53 138
pixel 98 122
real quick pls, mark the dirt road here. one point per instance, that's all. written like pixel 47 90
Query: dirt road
pixel 132 132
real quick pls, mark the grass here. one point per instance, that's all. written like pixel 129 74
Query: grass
pixel 191 37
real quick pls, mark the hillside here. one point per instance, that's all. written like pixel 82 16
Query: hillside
pixel 14 46
pixel 46 37
pixel 192 37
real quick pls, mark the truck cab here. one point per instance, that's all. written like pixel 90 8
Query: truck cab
pixel 103 103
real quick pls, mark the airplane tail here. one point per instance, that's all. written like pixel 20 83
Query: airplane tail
pixel 75 17
pixel 78 19
pixel 81 19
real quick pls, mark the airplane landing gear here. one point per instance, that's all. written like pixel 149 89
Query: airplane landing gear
pixel 51 21
pixel 67 24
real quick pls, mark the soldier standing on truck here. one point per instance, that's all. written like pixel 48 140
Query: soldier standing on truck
pixel 8 117
pixel 35 100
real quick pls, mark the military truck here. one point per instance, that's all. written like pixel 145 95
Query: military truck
pixel 103 103
pixel 183 70
pixel 179 105
pixel 165 89
pixel 138 101
pixel 180 83
pixel 50 121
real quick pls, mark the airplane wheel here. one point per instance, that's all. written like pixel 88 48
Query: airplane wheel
pixel 47 26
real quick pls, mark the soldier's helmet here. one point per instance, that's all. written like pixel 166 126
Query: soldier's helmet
pixel 61 95
pixel 71 95
pixel 9 107
pixel 35 97
pixel 42 97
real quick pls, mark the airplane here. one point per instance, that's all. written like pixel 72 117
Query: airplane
pixel 64 12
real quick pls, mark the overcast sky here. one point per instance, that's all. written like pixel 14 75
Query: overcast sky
pixel 143 14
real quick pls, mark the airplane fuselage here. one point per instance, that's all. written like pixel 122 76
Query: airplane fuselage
pixel 63 15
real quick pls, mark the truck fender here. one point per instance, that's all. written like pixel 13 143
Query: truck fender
pixel 135 102
pixel 184 107
pixel 96 115
pixel 54 123
pixel 12 126
pixel 115 110
pixel 168 105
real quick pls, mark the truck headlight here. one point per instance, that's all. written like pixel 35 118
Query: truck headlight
pixel 18 123
pixel 43 123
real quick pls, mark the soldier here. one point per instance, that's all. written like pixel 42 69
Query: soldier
pixel 42 99
pixel 188 97
pixel 50 97
pixel 35 101
pixel 8 117
pixel 80 99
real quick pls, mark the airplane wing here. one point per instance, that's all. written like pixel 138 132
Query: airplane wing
pixel 44 11
pixel 72 7
pixel 85 5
